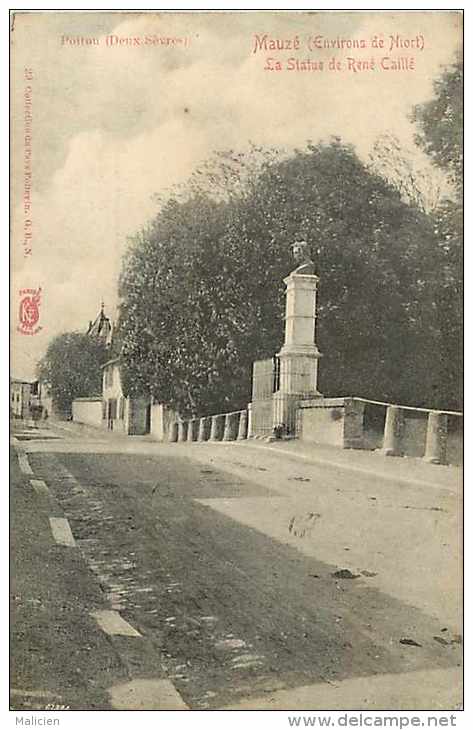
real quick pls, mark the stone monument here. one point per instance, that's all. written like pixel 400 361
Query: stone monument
pixel 299 355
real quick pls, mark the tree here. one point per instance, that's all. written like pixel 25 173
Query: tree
pixel 71 369
pixel 440 135
pixel 440 124
pixel 203 295
pixel 419 183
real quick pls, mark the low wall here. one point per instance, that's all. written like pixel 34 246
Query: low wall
pixel 88 411
pixel 358 423
pixel 414 433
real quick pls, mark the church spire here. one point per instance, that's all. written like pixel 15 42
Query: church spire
pixel 101 327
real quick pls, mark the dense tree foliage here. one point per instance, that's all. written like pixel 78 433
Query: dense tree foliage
pixel 202 291
pixel 440 124
pixel 71 368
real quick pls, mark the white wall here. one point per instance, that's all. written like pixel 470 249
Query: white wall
pixel 161 416
pixel 88 411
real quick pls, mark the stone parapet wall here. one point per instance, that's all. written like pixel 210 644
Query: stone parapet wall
pixel 436 436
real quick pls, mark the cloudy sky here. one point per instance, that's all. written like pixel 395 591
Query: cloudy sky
pixel 114 124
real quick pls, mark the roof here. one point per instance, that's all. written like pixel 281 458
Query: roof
pixel 101 327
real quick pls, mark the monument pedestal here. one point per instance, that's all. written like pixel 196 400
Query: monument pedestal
pixel 299 356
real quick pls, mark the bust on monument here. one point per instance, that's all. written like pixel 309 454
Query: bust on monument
pixel 301 254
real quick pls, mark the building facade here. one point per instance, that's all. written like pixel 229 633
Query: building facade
pixel 119 413
pixel 113 401
pixel 25 399
pixel 20 395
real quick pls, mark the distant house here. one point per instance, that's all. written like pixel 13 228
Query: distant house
pixel 129 415
pixel 113 410
pixel 113 400
pixel 25 398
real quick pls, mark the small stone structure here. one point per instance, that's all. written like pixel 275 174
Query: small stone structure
pixel 162 416
pixel 217 427
pixel 393 431
pixel 192 429
pixel 243 426
pixel 204 429
pixel 437 438
pixel 173 432
pixel 332 421
pixel 265 382
pixel 230 432
pixel 182 429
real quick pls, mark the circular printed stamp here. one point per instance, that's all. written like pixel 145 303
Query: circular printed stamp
pixel 29 311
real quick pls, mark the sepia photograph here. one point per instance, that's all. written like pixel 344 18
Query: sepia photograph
pixel 236 363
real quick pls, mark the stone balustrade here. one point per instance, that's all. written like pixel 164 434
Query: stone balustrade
pixel 341 420
pixel 436 433
pixel 221 427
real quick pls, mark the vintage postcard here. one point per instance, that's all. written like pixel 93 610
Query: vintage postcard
pixel 236 362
